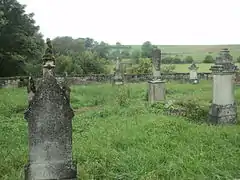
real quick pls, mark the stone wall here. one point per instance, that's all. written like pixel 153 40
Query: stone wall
pixel 22 81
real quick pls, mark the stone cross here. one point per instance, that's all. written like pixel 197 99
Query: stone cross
pixel 156 63
pixel 118 79
pixel 193 73
pixel 223 109
pixel 156 87
pixel 49 118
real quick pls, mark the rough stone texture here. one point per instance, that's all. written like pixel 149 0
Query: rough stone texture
pixel 237 79
pixel 193 75
pixel 102 78
pixel 118 79
pixel 156 91
pixel 49 119
pixel 223 114
pixel 156 63
pixel 223 109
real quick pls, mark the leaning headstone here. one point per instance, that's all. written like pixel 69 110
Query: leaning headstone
pixel 193 76
pixel 223 109
pixel 49 118
pixel 156 89
pixel 118 79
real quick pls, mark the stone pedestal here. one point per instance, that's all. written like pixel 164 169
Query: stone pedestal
pixel 117 79
pixel 193 75
pixel 223 109
pixel 156 91
pixel 49 119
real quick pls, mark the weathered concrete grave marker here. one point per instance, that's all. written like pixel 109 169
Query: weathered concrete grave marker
pixel 156 90
pixel 118 79
pixel 223 109
pixel 193 76
pixel 49 119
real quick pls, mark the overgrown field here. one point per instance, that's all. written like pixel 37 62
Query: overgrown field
pixel 198 52
pixel 117 135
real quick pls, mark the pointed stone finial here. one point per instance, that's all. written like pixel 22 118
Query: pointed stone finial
pixel 48 57
pixel 224 62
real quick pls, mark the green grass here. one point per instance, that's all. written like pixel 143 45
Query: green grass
pixel 198 52
pixel 116 135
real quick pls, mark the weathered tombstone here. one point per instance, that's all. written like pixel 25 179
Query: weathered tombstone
pixel 193 76
pixel 223 109
pixel 237 80
pixel 49 118
pixel 156 90
pixel 118 79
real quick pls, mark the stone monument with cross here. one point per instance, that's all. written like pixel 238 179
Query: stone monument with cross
pixel 156 90
pixel 118 79
pixel 49 116
pixel 193 76
pixel 223 109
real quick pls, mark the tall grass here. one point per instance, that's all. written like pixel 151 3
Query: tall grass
pixel 119 137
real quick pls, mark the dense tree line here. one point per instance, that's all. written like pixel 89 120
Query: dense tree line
pixel 22 47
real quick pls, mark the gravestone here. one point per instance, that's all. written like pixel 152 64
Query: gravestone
pixel 49 118
pixel 118 79
pixel 237 80
pixel 156 89
pixel 193 76
pixel 223 109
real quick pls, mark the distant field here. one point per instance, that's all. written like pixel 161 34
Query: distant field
pixel 183 68
pixel 198 52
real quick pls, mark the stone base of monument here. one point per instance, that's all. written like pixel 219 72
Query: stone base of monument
pixel 223 114
pixel 194 81
pixel 118 83
pixel 156 91
pixel 47 171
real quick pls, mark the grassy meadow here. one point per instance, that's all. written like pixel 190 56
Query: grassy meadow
pixel 179 68
pixel 198 52
pixel 117 135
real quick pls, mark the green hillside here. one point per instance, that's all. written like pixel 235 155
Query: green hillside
pixel 198 52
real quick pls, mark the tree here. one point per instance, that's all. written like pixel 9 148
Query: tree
pixel 147 49
pixel 238 59
pixel 167 60
pixel 136 54
pixel 20 42
pixel 188 59
pixel 66 46
pixel 176 60
pixel 102 50
pixel 145 66
pixel 208 59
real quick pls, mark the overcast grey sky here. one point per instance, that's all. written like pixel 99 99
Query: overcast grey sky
pixel 136 21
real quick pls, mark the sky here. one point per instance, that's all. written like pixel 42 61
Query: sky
pixel 162 22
